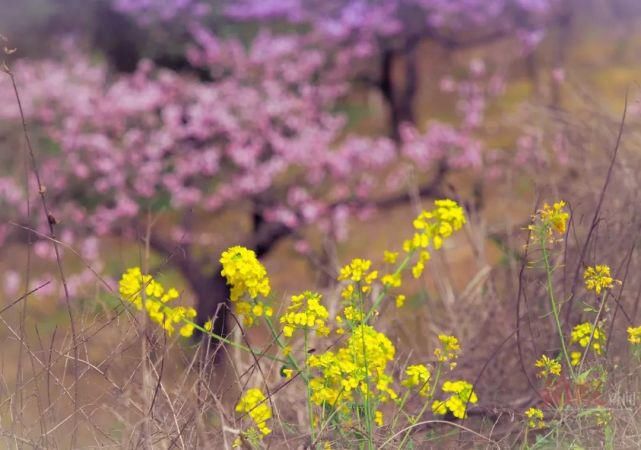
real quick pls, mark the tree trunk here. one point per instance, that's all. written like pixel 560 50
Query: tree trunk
pixel 210 288
pixel 399 99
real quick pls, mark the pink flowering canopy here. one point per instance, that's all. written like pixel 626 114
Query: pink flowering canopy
pixel 261 128
pixel 156 138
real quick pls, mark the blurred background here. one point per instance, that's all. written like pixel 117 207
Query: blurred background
pixel 165 131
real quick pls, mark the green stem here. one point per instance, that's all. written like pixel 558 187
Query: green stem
pixel 553 304
pixel 367 405
pixel 309 391
pixel 596 321
pixel 259 353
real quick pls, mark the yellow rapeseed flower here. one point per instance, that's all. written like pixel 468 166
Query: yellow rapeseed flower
pixel 548 366
pixel 244 273
pixel 418 375
pixel 448 351
pixel 134 286
pixel 575 358
pixel 634 335
pixel 392 280
pixel 555 217
pixel 255 404
pixel 597 278
pixel 400 300
pixel 248 279
pixel 581 334
pixel 358 366
pixel 462 395
pixel 390 257
pixel 535 418
pixel 306 313
pixel 357 270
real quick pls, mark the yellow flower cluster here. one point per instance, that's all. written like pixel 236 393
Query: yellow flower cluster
pixel 392 280
pixel 246 276
pixel 390 257
pixel 448 351
pixel 634 335
pixel 597 278
pixel 581 334
pixel 255 404
pixel 378 418
pixel 244 273
pixel 535 418
pixel 431 228
pixel 305 313
pixel 359 366
pixel 419 376
pixel 462 395
pixel 139 288
pixel 357 271
pixel 548 366
pixel 554 217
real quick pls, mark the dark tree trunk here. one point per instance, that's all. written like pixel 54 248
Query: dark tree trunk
pixel 399 96
pixel 118 37
pixel 211 290
pixel 212 299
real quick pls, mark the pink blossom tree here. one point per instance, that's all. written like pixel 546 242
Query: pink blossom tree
pixel 259 133
pixel 373 38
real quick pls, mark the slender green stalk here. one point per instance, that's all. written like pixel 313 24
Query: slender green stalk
pixel 308 391
pixel 553 303
pixel 594 325
pixel 367 404
pixel 259 353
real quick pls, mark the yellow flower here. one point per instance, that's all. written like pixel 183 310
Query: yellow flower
pixel 244 273
pixel 305 313
pixel 209 325
pixel 555 217
pixel 548 366
pixel 418 375
pixel 390 257
pixel 133 283
pixel 378 418
pixel 353 314
pixel 462 395
pixel 598 278
pixel 419 266
pixel 392 280
pixel 432 227
pixel 575 358
pixel 634 335
pixel 439 408
pixel 449 349
pixel 255 404
pixel 134 286
pixel 581 334
pixel 535 418
pixel 355 271
pixel 357 366
pixel 400 300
